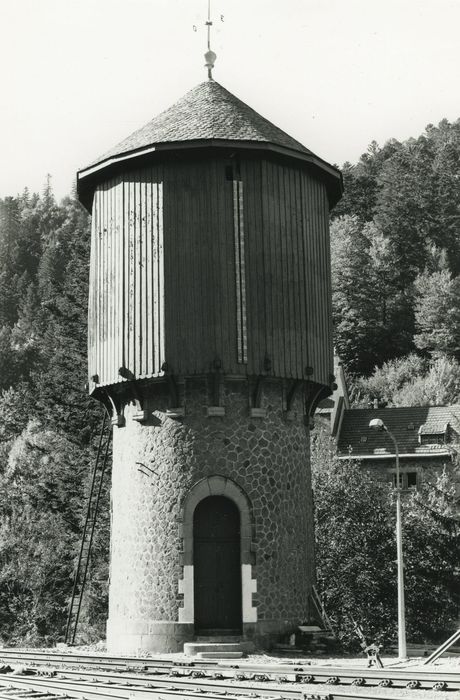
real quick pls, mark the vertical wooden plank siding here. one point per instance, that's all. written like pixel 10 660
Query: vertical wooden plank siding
pixel 187 265
pixel 287 237
pixel 160 356
pixel 112 232
pixel 126 276
pixel 108 278
pixel 154 318
pixel 240 273
pixel 138 280
pixel 256 284
pixel 103 268
pixel 292 268
pixel 99 295
pixel 148 285
pixel 200 263
pixel 226 278
pixel 215 262
pixel 130 233
pixel 244 328
pixel 299 253
pixel 92 311
pixel 100 320
pixel 126 254
pixel 143 263
pixel 293 263
pixel 119 275
pixel 317 257
pixel 310 243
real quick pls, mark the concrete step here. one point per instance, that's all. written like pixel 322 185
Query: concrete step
pixel 220 655
pixel 287 650
pixel 310 629
pixel 194 648
pixel 218 638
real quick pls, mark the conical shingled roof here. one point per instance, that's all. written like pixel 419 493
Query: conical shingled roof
pixel 208 115
pixel 208 111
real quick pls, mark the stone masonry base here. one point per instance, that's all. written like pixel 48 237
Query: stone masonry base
pixel 163 467
pixel 132 637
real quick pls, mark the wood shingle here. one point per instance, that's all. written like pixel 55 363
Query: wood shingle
pixel 208 112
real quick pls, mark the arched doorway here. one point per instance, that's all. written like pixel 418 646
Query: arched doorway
pixel 217 567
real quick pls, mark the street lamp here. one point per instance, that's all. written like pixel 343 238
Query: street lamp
pixel 378 424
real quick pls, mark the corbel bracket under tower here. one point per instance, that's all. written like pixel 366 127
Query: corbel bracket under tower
pixel 175 410
pixel 140 415
pixel 314 394
pixel 117 417
pixel 215 386
pixel 295 388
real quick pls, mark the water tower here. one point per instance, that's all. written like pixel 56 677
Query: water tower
pixel 210 341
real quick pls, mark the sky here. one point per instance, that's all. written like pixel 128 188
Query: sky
pixel 78 76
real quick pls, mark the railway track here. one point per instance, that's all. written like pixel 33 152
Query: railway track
pixel 264 673
pixel 126 677
pixel 10 693
pixel 56 689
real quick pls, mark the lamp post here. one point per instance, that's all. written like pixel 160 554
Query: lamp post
pixel 378 424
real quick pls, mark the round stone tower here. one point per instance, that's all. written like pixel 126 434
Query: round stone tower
pixel 210 342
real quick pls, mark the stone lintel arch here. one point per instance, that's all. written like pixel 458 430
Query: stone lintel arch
pixel 217 486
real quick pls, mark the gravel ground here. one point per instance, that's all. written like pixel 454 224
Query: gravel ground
pixel 448 665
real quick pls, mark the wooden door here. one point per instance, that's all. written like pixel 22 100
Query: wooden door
pixel 217 570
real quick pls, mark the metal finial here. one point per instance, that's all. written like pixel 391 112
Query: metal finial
pixel 210 56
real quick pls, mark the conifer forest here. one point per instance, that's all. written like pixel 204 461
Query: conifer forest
pixel 395 246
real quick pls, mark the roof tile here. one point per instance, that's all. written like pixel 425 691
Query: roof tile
pixel 398 420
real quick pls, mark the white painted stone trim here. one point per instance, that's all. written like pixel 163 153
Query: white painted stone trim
pixel 187 612
pixel 160 341
pixel 249 586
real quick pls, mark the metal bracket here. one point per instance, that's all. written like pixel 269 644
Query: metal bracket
pixel 255 410
pixel 174 410
pixel 260 381
pixel 140 415
pixel 314 394
pixel 216 384
pixel 257 393
pixel 293 392
pixel 117 418
pixel 216 380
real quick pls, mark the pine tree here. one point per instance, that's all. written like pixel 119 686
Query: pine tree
pixel 9 234
pixel 437 313
pixel 373 319
pixel 353 310
pixel 445 226
pixel 43 356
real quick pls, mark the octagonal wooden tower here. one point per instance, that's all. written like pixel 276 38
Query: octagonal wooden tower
pixel 210 341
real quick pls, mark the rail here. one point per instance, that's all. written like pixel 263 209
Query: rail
pixel 95 691
pixel 142 673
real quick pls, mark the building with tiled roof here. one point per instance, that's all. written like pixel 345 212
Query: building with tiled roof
pixel 428 437
pixel 418 430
